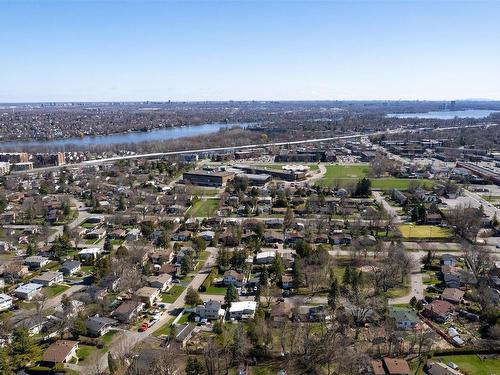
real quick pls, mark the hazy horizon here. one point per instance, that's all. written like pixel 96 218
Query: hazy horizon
pixel 121 51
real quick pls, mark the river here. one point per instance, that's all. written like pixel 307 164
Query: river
pixel 446 115
pixel 121 138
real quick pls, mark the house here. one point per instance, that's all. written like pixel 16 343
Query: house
pixel 438 368
pixel 89 254
pixel 451 276
pixel 265 257
pixel 452 295
pixel 128 311
pixel 281 312
pixel 95 220
pixel 70 267
pixel 98 325
pixel 391 366
pixel 147 294
pixel 27 291
pixel 61 351
pixel 242 310
pixel 96 234
pixel 207 235
pixel 210 310
pixel 184 235
pixel 48 278
pixel 403 318
pixel 448 260
pixel 35 262
pixel 161 282
pixel 286 282
pixel 171 269
pixel 272 237
pixel 133 234
pixel 438 310
pixel 184 333
pixel 232 277
pixel 118 234
pixel 5 302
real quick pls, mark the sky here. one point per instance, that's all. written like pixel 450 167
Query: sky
pixel 248 50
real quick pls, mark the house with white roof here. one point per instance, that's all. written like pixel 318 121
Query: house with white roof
pixel 242 310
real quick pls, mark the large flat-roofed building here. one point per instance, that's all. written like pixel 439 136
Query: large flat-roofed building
pixel 208 178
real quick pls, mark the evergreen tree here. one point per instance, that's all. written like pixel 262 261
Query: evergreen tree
pixel 194 366
pixel 231 295
pixel 333 294
pixel 24 349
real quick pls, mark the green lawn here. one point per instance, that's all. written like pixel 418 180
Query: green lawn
pixel 85 351
pixel 108 337
pixel 424 231
pixel 55 290
pixel 87 269
pixel 165 329
pixel 171 295
pixel 184 318
pixel 207 192
pixel 345 175
pixel 472 364
pixel 220 290
pixel 204 208
pixel 117 242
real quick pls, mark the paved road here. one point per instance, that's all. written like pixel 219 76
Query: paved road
pixel 390 209
pixel 131 338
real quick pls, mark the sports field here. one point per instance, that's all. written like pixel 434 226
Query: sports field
pixel 345 175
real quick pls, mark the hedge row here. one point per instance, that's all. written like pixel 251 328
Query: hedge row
pixel 209 280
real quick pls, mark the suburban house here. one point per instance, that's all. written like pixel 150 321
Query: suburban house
pixel 448 260
pixel 27 291
pixel 242 310
pixel 161 282
pixel 5 302
pixel 439 368
pixel 207 235
pixel 391 366
pixel 133 234
pixel 147 294
pixel 96 234
pixel 70 267
pixel 89 254
pixel 438 310
pixel 265 257
pixel 34 262
pixel 48 278
pixel 184 235
pixel 99 326
pixel 128 311
pixel 62 351
pixel 452 295
pixel 403 318
pixel 210 310
pixel 286 282
pixel 232 277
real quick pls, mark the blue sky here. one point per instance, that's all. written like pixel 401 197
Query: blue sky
pixel 220 50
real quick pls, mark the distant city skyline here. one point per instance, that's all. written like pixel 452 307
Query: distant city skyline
pixel 56 51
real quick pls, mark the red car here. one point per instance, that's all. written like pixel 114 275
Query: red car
pixel 143 327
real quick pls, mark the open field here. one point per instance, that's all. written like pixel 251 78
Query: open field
pixel 472 364
pixel 204 208
pixel 345 175
pixel 171 295
pixel 424 231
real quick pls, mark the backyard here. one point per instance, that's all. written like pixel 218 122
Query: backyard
pixel 204 208
pixel 473 364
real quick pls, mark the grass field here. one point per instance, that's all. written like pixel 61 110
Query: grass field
pixel 85 351
pixel 108 337
pixel 345 175
pixel 204 208
pixel 55 290
pixel 171 295
pixel 472 364
pixel 424 231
